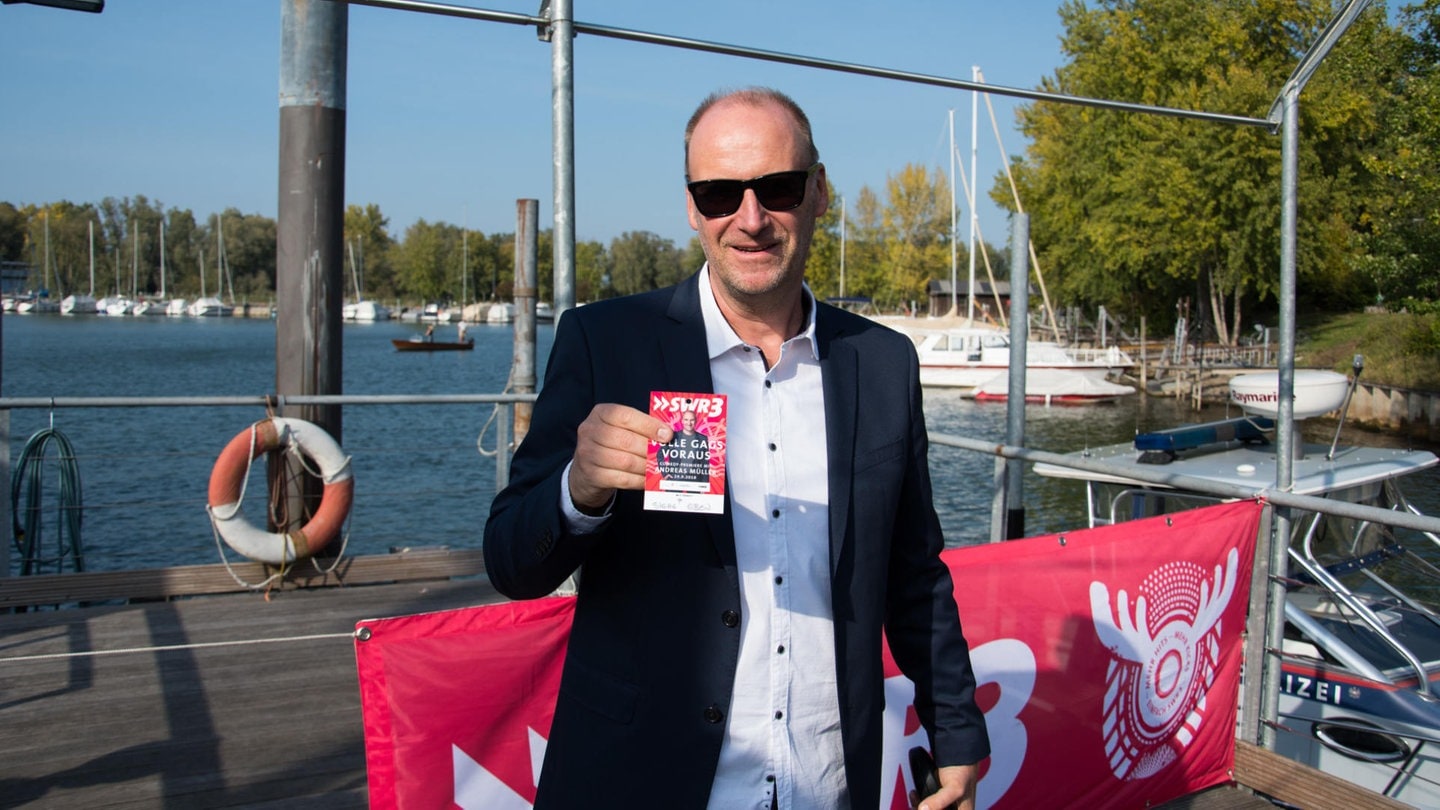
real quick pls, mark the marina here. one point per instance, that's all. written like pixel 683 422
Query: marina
pixel 257 646
pixel 173 685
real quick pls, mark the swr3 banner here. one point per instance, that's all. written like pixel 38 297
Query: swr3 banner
pixel 1108 660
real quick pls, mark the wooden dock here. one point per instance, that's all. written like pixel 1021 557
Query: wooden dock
pixel 239 701
pixel 267 718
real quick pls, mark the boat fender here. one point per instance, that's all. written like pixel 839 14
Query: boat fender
pixel 227 489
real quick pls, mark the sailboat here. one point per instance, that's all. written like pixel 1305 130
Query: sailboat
pixel 75 304
pixel 207 306
pixel 362 309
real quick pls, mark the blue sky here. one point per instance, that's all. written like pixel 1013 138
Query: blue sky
pixel 449 120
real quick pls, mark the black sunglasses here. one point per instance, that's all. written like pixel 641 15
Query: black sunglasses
pixel 781 191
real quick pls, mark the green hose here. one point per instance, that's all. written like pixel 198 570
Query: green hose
pixel 27 490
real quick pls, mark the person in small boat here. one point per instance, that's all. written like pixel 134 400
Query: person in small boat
pixel 430 333
pixel 460 332
pixel 736 660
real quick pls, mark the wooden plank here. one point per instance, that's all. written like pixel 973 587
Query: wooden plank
pixel 201 580
pixel 1293 783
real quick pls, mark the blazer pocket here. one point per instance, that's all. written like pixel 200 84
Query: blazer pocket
pixel 879 455
pixel 601 692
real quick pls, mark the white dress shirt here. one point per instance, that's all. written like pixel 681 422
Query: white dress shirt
pixel 783 729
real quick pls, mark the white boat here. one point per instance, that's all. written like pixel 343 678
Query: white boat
pixel 77 305
pixel 119 305
pixel 36 304
pixel 366 311
pixel 177 307
pixel 1053 386
pixel 965 357
pixel 500 313
pixel 210 307
pixel 1360 682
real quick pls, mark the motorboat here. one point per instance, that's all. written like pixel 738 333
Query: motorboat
pixel 1360 683
pixel 1053 386
pixel 965 357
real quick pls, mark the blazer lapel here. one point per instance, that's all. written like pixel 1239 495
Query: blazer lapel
pixel 687 368
pixel 839 371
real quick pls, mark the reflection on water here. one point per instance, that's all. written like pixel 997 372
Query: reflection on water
pixel 419 478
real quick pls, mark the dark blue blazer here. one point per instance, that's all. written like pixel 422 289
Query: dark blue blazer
pixel 651 662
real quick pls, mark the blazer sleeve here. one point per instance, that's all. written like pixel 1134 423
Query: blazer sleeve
pixel 528 551
pixel 923 624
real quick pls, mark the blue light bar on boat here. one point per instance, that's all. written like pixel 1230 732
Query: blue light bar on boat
pixel 1189 437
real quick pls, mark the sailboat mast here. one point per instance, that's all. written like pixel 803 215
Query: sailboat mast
pixel 91 223
pixel 162 259
pixel 954 230
pixel 974 182
pixel 135 263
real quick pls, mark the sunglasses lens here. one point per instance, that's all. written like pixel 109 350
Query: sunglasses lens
pixel 782 191
pixel 717 198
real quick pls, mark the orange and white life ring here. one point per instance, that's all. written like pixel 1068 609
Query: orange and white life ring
pixel 227 487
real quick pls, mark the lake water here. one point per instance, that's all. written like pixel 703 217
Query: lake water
pixel 420 479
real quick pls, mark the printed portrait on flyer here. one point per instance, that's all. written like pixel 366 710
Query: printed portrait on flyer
pixel 687 474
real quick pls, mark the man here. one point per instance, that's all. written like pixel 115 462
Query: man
pixel 735 660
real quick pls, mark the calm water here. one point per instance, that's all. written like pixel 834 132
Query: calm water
pixel 420 480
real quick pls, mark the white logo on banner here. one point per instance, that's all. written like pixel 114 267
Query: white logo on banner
pixel 1008 664
pixel 478 789
pixel 1165 657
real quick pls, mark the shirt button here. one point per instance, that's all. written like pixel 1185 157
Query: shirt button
pixel 774 513
pixel 779 580
pixel 779 715
pixel 780 650
pixel 767 383
pixel 730 618
pixel 713 714
pixel 772 445
pixel 769 777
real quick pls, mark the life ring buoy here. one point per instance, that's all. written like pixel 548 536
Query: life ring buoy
pixel 227 484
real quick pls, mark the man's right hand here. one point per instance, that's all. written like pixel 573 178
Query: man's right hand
pixel 610 452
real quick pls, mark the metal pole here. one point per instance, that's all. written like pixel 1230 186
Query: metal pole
pixel 562 102
pixel 1013 471
pixel 1286 442
pixel 310 280
pixel 527 245
pixel 954 228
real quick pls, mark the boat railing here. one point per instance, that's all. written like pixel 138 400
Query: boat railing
pixel 1304 556
pixel 1267 492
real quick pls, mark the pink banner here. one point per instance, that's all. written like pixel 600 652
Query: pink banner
pixel 1108 661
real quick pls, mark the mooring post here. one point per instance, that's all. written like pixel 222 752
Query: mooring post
pixel 310 280
pixel 527 247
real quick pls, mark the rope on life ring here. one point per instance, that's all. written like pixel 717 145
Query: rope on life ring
pixel 227 490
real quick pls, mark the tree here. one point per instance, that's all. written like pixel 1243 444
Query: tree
pixel 641 261
pixel 368 247
pixel 1136 212
pixel 1400 229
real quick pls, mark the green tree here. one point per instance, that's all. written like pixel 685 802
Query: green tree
pixel 368 248
pixel 1400 228
pixel 643 261
pixel 1137 212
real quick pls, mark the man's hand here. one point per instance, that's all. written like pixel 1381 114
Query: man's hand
pixel 957 789
pixel 610 448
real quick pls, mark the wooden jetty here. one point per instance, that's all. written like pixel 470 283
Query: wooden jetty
pixel 241 701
